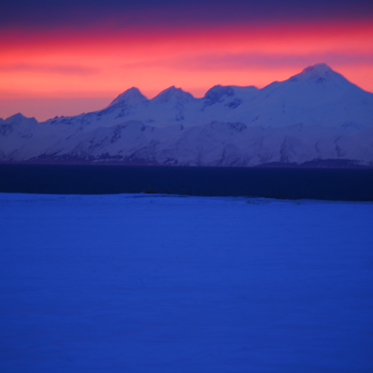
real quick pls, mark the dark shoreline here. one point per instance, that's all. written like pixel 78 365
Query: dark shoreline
pixel 346 184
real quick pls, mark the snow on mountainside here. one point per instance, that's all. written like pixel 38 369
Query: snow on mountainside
pixel 314 115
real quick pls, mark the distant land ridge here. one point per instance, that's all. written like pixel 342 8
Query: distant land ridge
pixel 315 118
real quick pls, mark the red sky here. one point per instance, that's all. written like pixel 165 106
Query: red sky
pixel 48 70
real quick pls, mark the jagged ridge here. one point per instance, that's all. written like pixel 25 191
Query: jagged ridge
pixel 314 115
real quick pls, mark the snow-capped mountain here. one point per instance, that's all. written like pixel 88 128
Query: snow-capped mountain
pixel 315 115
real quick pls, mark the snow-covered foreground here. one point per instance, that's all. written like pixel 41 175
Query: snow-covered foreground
pixel 150 283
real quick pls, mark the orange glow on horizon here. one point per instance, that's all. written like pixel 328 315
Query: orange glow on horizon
pixel 103 62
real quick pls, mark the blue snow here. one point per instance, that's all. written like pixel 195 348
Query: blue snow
pixel 152 283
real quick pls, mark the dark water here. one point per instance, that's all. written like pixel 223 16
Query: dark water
pixel 289 183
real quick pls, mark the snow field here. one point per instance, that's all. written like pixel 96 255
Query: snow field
pixel 140 283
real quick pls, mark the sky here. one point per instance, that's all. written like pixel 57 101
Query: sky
pixel 67 57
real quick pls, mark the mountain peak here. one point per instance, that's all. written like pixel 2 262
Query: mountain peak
pixel 318 69
pixel 319 72
pixel 216 94
pixel 173 92
pixel 18 119
pixel 131 95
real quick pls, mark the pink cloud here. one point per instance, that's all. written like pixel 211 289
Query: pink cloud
pixel 250 60
pixel 52 69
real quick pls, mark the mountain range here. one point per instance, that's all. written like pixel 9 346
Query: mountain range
pixel 316 117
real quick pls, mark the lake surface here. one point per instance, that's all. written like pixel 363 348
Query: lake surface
pixel 289 183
